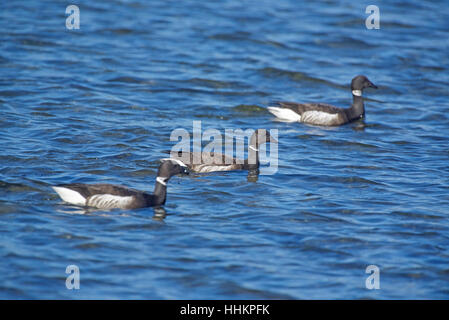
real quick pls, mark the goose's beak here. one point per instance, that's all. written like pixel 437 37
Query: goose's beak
pixel 371 85
pixel 185 170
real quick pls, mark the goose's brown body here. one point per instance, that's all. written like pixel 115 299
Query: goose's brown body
pixel 110 196
pixel 325 114
pixel 206 162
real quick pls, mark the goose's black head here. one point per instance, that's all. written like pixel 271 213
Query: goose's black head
pixel 263 136
pixel 170 167
pixel 361 82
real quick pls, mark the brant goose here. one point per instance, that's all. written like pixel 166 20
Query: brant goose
pixel 325 114
pixel 109 196
pixel 213 161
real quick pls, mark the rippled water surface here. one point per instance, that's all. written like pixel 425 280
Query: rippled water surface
pixel 98 104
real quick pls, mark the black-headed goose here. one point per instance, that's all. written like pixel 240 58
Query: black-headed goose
pixel 213 161
pixel 324 114
pixel 109 196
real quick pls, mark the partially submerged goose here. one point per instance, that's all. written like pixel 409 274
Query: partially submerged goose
pixel 213 161
pixel 325 114
pixel 109 196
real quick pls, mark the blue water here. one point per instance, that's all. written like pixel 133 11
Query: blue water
pixel 98 104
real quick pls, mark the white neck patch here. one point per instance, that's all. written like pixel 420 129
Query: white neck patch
pixel 357 93
pixel 162 180
pixel 252 148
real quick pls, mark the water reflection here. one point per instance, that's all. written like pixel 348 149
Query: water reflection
pixel 359 126
pixel 159 212
pixel 253 175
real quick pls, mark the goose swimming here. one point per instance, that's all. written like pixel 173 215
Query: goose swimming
pixel 324 114
pixel 110 196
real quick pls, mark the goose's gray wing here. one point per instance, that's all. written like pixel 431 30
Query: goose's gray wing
pixel 313 113
pixel 209 161
pixel 301 108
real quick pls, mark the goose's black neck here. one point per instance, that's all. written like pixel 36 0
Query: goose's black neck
pixel 357 110
pixel 252 163
pixel 160 192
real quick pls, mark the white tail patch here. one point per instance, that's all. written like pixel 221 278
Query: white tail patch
pixel 109 201
pixel 285 114
pixel 70 196
pixel 319 117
